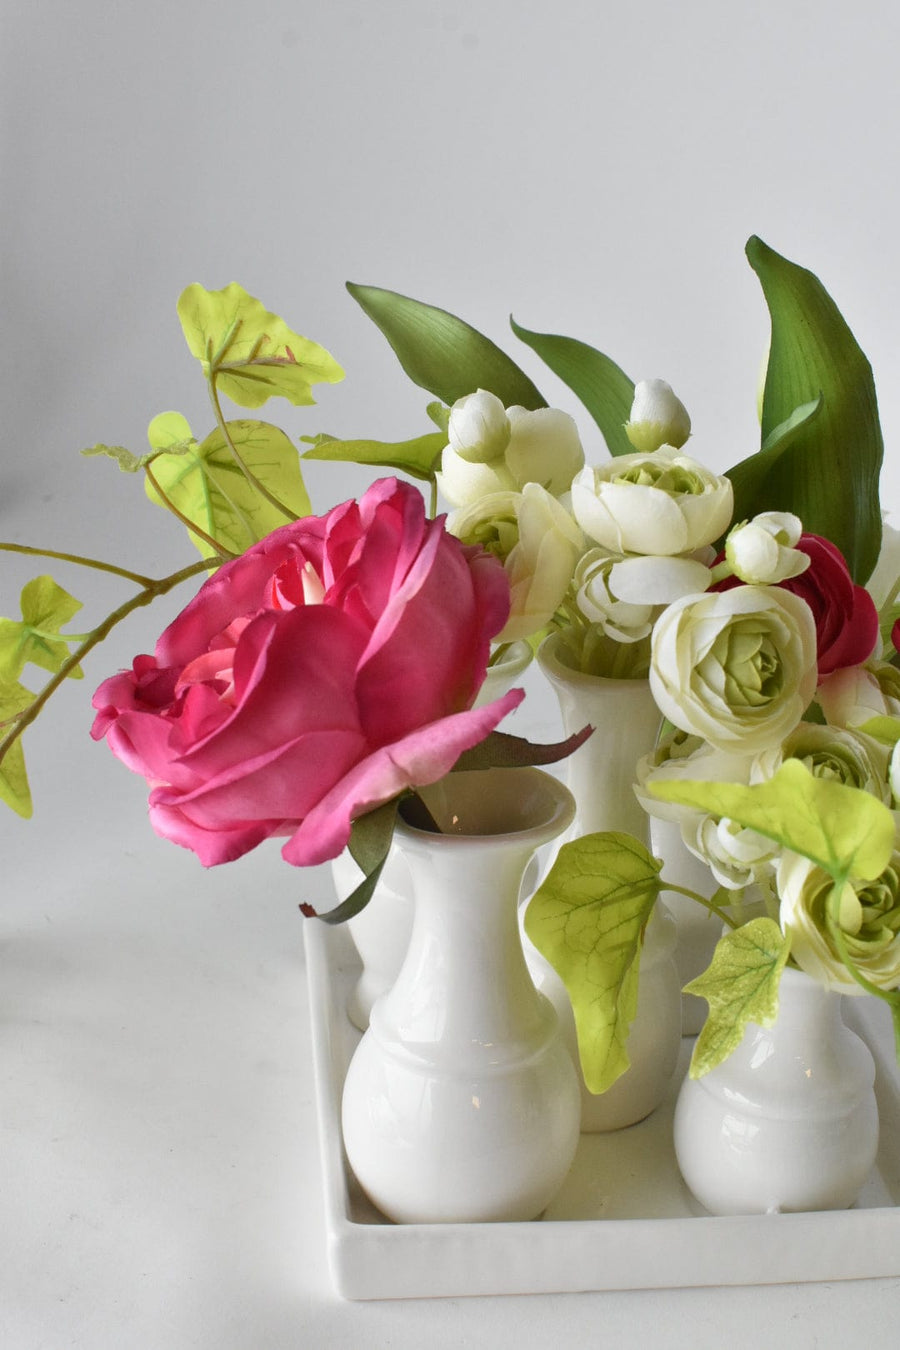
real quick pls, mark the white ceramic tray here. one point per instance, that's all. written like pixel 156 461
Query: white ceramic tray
pixel 623 1220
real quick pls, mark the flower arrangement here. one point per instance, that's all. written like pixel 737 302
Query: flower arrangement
pixel 329 664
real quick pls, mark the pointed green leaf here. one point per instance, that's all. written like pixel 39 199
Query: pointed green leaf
pixel 842 829
pixel 14 790
pixel 740 985
pixel 370 842
pixel 828 474
pixel 444 354
pixel 249 353
pixel 751 478
pixel 587 918
pixel 604 389
pixel 440 416
pixel 417 457
pixel 209 488
pixel 500 750
pixel 46 607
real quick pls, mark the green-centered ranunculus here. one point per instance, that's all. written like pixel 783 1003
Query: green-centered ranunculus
pixel 867 919
pixel 661 504
pixel 736 667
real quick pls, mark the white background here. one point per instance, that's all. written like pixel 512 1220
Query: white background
pixel 593 169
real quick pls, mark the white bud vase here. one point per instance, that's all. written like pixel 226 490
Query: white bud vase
pixel 601 775
pixel 461 1104
pixel 381 931
pixel 789 1121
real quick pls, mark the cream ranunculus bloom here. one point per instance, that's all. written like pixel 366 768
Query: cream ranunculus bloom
pixel 625 595
pixel 737 667
pixel 761 551
pixel 868 917
pixel 660 504
pixel 542 447
pixel 855 694
pixel 538 543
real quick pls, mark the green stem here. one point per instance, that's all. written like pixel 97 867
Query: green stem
pixel 80 561
pixel 190 525
pixel 150 592
pixel 701 900
pixel 245 469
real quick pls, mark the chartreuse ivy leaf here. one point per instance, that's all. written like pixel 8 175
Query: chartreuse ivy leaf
pixel 46 607
pixel 828 467
pixel 370 842
pixel 126 460
pixel 842 829
pixel 587 918
pixel 249 353
pixel 417 457
pixel 207 486
pixel 14 790
pixel 740 985
pixel 604 389
pixel 444 354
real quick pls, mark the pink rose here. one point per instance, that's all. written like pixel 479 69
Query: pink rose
pixel 845 614
pixel 321 673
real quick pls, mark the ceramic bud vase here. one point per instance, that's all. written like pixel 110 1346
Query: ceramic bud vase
pixel 789 1121
pixel 697 929
pixel 381 932
pixel 601 775
pixel 461 1104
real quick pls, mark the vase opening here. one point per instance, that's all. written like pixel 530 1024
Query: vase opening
pixel 492 802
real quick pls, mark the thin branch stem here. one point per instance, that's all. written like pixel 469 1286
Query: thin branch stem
pixel 80 561
pixel 701 900
pixel 239 460
pixel 170 506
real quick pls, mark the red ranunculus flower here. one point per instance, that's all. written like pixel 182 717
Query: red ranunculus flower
pixel 845 614
pixel 321 673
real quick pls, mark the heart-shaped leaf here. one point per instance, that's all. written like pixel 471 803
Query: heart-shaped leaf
pixel 740 985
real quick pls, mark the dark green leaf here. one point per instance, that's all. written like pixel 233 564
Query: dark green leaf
pixel 499 750
pixel 444 354
pixel 370 842
pixel 604 389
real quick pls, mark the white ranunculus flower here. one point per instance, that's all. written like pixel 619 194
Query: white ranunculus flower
pixel 836 754
pixel 761 551
pixel 855 694
pixel 868 917
pixel 478 429
pixel 544 447
pixel 737 667
pixel 657 417
pixel 625 595
pixel 659 504
pixel 538 543
pixel 540 447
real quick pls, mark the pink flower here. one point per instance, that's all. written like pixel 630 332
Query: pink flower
pixel 845 614
pixel 327 669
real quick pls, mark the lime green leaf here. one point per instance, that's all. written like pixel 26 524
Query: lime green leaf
pixel 500 750
pixel 842 829
pixel 127 462
pixel 740 985
pixel 828 472
pixel 208 487
pixel 604 389
pixel 370 842
pixel 417 457
pixel 170 432
pixel 883 729
pixel 249 353
pixel 440 416
pixel 46 607
pixel 444 354
pixel 14 790
pixel 587 918
pixel 751 478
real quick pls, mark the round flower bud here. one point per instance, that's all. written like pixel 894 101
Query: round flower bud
pixel 657 417
pixel 761 551
pixel 478 429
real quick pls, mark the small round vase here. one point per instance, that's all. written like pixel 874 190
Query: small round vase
pixel 461 1104
pixel 789 1121
pixel 381 931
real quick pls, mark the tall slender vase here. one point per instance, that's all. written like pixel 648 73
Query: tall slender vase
pixel 789 1121
pixel 461 1103
pixel 601 775
pixel 381 932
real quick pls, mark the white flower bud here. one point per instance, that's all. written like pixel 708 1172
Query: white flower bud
pixel 478 429
pixel 657 417
pixel 761 551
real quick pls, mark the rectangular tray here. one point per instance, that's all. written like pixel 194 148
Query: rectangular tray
pixel 623 1219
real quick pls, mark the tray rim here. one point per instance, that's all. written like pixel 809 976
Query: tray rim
pixel 388 1261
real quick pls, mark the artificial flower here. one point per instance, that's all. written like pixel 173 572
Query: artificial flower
pixel 761 551
pixel 478 428
pixel 660 504
pixel 855 694
pixel 321 673
pixel 543 447
pixel 657 417
pixel 736 667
